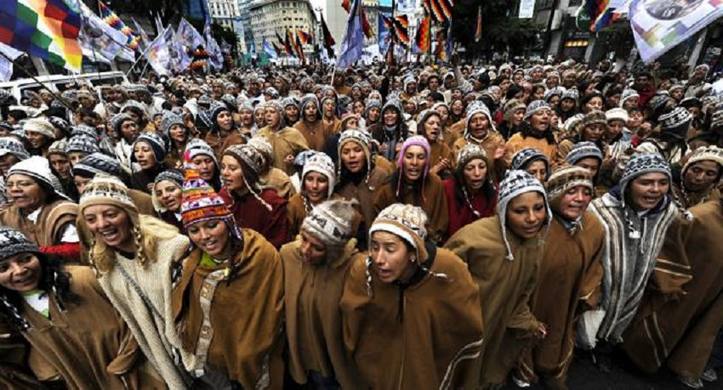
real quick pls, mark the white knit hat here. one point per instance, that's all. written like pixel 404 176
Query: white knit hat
pixel 516 183
pixel 321 163
pixel 330 222
pixel 39 169
pixel 41 126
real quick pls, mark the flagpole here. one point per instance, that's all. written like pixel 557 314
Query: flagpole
pixel 139 58
pixel 29 74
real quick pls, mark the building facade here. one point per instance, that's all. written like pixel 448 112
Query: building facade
pixel 224 12
pixel 269 17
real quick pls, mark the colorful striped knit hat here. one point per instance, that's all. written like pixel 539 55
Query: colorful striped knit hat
pixel 200 202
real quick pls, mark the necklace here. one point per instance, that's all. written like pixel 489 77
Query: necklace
pixel 469 204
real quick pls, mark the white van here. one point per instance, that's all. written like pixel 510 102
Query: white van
pixel 59 83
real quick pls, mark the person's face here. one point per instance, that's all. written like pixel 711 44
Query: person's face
pixel 433 84
pixel 60 164
pixel 592 164
pixel 411 88
pixel 443 113
pixel 517 77
pixel 410 107
pixel 206 167
pixel 615 127
pixel 351 123
pixel 80 183
pixel 144 155
pixel 292 112
pixel 701 175
pixel 260 117
pixel 373 114
pixel 536 74
pixel 21 272
pixel 538 93
pixel 457 107
pixel 273 117
pixel 358 107
pixel 694 111
pixel 232 174
pixel 635 119
pixel 504 85
pixel 593 132
pixel 647 190
pixel 110 224
pixel 414 161
pixel 390 117
pixel 169 195
pixel 353 157
pixel 517 116
pixel 457 94
pixel 247 117
pixel 478 125
pixel 129 130
pixel 642 81
pixel 391 258
pixel 595 103
pixel 567 105
pixel 329 107
pixel 313 250
pixel 46 96
pixel 432 128
pixel 316 187
pixel 210 236
pixel 552 81
pixel 526 214
pixel 475 174
pixel 538 169
pixel 177 133
pixel 225 120
pixel 25 192
pixel 568 80
pixel 157 121
pixel 7 161
pixel 540 120
pixel 36 139
pixel 630 103
pixel 310 112
pixel 574 202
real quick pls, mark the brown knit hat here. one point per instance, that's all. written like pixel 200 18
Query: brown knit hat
pixel 511 106
pixel 593 117
pixel 565 178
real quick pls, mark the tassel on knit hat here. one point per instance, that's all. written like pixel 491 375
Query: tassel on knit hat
pixel 199 202
pixel 516 183
pixel 330 222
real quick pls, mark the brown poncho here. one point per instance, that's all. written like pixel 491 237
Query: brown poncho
pixel 315 133
pixel 50 223
pixel 285 142
pixel 422 335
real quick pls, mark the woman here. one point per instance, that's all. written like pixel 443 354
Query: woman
pixel 125 130
pixel 571 268
pixel 40 209
pixel 568 104
pixel 174 129
pixel 395 302
pixel 593 101
pixel 286 142
pixel 223 132
pixel 329 115
pixel 391 131
pixel 134 256
pixel 592 128
pixel 700 177
pixel 535 131
pixel 291 110
pixel 372 112
pixel 503 254
pixel 310 124
pixel 317 185
pixel 261 210
pixel 40 134
pixel 61 166
pixel 50 307
pixel 203 157
pixel 470 193
pixel 587 155
pixel 230 338
pixel 359 177
pixel 480 131
pixel 316 265
pixel 533 162
pixel 149 152
pixel 166 197
pixel 635 215
pixel 514 111
pixel 441 160
pixel 413 184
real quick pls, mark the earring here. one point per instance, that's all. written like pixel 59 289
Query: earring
pixel 413 259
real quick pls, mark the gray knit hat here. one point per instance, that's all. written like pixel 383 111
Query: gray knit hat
pixel 169 119
pixel 117 120
pixel 526 156
pixel 477 107
pixel 11 145
pixel 157 144
pixel 174 176
pixel 581 150
pixel 517 182
pixel 308 99
pixel 627 94
pixel 571 93
pixel 39 169
pixel 331 222
pixel 534 107
pixel 640 164
pixel 82 144
pixel 41 126
pixel 197 146
pixel 97 163
pixel 13 242
pixel 85 130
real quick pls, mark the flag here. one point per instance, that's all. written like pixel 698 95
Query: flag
pixel 268 49
pixel 351 46
pixel 401 29
pixel 606 18
pixel 442 50
pixel 478 27
pixel 100 41
pixel 304 37
pixel 159 24
pixel 189 36
pixel 422 39
pixel 159 55
pixel 436 11
pixel 446 7
pixel 46 29
pixel 366 27
pixel 6 66
pixel 288 44
pixel 299 50
pixel 277 49
pixel 346 4
pixel 329 41
pixel 180 58
pixel 142 33
pixel 215 56
pixel 114 21
pixel 278 38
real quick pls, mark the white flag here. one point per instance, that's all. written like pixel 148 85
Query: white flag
pixel 158 53
pixel 6 67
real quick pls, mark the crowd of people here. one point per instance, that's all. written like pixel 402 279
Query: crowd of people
pixel 386 226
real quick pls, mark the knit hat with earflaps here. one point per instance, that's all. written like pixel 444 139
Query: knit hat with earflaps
pixel 171 175
pixel 157 144
pixel 84 130
pixel 468 153
pixel 581 150
pixel 363 140
pixel 201 203
pixel 169 119
pixel 280 110
pixel 516 183
pixel 11 145
pixel 321 163
pixel 39 169
pixel 82 144
pixel 251 158
pixel 40 126
pixel 592 118
pixel 535 106
pixel 477 107
pixel 405 221
pixel 57 147
pixel 97 163
pixel 627 94
pixel 415 140
pixel 565 178
pixel 310 98
pixel 676 122
pixel 196 147
pixel 571 93
pixel 108 190
pixel 705 153
pixel 117 120
pixel 641 164
pixel 423 117
pixel 511 106
pixel 557 91
pixel 331 222
pixel 524 157
pixel 14 242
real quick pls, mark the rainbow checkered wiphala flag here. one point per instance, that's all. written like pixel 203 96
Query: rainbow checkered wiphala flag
pixel 47 29
pixel 114 21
